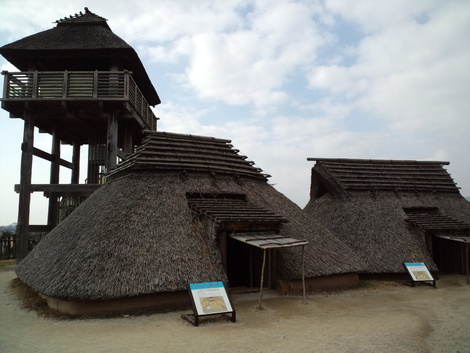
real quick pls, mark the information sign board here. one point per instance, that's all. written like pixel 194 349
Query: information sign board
pixel 209 298
pixel 419 272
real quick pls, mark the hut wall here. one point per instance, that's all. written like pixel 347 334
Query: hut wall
pixel 155 302
pixel 374 225
pixel 324 283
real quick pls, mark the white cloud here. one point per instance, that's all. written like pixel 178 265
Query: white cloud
pixel 349 81
pixel 249 64
pixel 372 16
pixel 403 73
pixel 169 20
pixel 290 79
pixel 173 53
pixel 177 118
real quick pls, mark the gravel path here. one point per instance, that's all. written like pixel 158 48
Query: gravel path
pixel 387 317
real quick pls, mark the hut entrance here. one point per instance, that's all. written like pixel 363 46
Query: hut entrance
pixel 447 238
pixel 244 264
pixel 268 244
pixel 251 258
pixel 451 254
pixel 233 214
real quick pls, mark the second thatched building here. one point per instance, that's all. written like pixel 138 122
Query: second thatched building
pixel 393 211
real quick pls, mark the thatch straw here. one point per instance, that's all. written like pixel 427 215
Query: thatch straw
pixel 372 220
pixel 138 235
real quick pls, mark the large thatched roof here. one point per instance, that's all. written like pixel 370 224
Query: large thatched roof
pixel 347 175
pixel 189 153
pixel 152 227
pixel 372 205
pixel 81 42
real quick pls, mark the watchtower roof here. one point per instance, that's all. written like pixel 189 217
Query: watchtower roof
pixel 80 42
pixel 87 17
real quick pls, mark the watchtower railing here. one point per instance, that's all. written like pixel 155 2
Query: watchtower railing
pixel 78 85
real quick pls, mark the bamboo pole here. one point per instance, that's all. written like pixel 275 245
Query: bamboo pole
pixel 260 306
pixel 466 262
pixel 303 276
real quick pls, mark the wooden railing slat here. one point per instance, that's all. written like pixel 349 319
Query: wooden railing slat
pixel 70 85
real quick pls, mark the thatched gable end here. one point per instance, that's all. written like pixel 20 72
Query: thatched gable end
pixel 345 175
pixel 163 151
pixel 374 205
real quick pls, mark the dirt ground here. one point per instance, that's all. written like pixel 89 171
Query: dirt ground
pixel 378 317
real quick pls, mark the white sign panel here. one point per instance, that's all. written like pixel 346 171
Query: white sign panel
pixel 418 271
pixel 210 298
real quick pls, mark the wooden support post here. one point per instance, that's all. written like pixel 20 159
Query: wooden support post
pixel 428 239
pixel 260 306
pixel 222 238
pixel 274 269
pixel 128 142
pixel 76 163
pixel 304 293
pixel 270 273
pixel 94 160
pixel 22 227
pixel 462 259
pixel 112 138
pixel 441 267
pixel 251 279
pixel 53 216
pixel 466 263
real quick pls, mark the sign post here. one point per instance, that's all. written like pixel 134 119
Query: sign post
pixel 419 272
pixel 209 298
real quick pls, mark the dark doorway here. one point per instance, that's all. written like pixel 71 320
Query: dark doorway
pixel 244 263
pixel 449 255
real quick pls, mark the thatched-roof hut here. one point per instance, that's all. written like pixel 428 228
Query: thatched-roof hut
pixel 165 218
pixel 392 211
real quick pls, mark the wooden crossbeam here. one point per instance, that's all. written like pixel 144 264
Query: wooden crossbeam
pixel 63 189
pixel 47 156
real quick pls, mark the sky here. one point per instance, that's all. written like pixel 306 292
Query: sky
pixel 284 80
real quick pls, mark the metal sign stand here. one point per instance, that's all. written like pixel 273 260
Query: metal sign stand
pixel 208 299
pixel 419 272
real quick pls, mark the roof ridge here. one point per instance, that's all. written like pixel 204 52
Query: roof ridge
pixel 86 17
pixel 164 151
pixel 387 175
pixel 376 161
pixel 176 135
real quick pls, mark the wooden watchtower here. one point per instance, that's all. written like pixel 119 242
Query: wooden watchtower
pixel 83 85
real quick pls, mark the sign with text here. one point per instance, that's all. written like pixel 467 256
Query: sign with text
pixel 419 272
pixel 210 298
